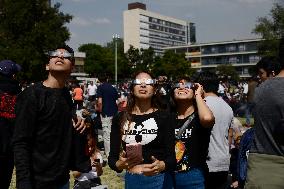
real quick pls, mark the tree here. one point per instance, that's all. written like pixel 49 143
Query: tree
pixel 28 29
pixel 98 60
pixel 227 71
pixel 123 68
pixel 147 59
pixel 271 29
pixel 133 57
pixel 173 65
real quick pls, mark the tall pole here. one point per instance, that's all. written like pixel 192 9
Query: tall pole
pixel 115 69
pixel 115 37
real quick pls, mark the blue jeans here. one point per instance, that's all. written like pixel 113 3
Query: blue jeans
pixel 65 186
pixel 192 179
pixel 136 181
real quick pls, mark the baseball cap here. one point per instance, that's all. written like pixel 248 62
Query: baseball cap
pixel 9 68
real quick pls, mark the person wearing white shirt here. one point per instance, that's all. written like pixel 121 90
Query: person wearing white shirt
pixel 92 90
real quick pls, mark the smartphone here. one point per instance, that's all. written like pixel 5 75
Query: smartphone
pixel 134 152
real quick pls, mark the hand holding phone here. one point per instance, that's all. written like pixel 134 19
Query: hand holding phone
pixel 134 153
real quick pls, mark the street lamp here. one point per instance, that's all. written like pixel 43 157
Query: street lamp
pixel 115 37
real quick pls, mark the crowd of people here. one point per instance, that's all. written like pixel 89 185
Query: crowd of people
pixel 161 134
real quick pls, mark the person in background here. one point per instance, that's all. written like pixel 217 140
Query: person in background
pixel 266 156
pixel 267 67
pixel 78 97
pixel 234 162
pixel 92 91
pixel 244 147
pixel 107 96
pixel 194 122
pixel 92 178
pixel 164 92
pixel 142 138
pixel 218 152
pixel 9 89
pixel 235 130
pixel 46 141
pixel 252 84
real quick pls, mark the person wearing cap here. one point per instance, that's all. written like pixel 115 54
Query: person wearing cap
pixel 46 145
pixel 9 89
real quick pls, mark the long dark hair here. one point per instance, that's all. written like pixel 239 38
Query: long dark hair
pixel 126 115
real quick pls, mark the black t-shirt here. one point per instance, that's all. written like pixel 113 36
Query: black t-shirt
pixel 44 138
pixel 155 131
pixel 192 148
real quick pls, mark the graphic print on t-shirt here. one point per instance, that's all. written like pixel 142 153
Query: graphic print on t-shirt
pixel 182 156
pixel 143 133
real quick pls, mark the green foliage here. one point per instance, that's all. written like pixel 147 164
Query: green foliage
pixel 28 29
pixel 228 71
pixel 97 60
pixel 271 29
pixel 140 60
pixel 100 61
pixel 133 57
pixel 173 65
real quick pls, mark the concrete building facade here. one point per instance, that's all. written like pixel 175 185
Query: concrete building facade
pixel 144 29
pixel 242 54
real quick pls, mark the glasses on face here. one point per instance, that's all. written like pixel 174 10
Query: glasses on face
pixel 186 85
pixel 145 81
pixel 58 53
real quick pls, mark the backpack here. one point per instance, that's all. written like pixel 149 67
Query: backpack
pixel 7 105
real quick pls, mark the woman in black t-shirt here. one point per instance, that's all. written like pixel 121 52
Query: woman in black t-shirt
pixel 192 132
pixel 142 138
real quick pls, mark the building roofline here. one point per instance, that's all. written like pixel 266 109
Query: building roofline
pixel 160 16
pixel 215 43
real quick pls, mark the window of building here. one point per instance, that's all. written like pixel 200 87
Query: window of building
pixel 231 48
pixel 242 47
pixel 144 18
pixel 144 25
pixel 232 59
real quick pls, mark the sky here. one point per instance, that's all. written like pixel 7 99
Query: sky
pixel 96 21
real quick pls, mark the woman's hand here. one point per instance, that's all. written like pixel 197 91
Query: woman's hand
pixel 235 184
pixel 154 168
pixel 98 167
pixel 79 124
pixel 198 90
pixel 124 162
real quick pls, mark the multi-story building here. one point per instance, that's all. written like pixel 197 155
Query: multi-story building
pixel 242 54
pixel 78 70
pixel 144 29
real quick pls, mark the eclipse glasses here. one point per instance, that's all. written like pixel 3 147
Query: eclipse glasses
pixel 145 81
pixel 186 85
pixel 58 53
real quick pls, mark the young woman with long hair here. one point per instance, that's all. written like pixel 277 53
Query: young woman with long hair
pixel 142 138
pixel 92 178
pixel 194 121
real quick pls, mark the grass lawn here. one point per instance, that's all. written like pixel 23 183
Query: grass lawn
pixel 109 178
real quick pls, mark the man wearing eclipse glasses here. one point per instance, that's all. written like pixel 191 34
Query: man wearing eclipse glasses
pixel 46 142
